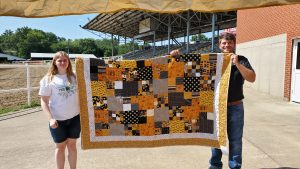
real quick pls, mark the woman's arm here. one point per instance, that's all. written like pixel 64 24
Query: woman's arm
pixel 46 110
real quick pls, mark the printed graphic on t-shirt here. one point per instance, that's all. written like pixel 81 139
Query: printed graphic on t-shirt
pixel 66 90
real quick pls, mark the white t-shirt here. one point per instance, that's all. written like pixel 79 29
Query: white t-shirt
pixel 63 102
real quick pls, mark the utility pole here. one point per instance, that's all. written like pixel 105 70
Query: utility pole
pixel 68 46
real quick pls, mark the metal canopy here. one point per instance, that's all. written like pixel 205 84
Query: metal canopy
pixel 126 23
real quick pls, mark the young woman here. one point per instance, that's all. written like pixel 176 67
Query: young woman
pixel 59 101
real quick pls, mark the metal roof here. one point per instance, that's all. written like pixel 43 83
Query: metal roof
pixel 50 55
pixel 126 23
pixel 10 58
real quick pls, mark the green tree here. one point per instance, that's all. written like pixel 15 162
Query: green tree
pixel 199 37
pixel 32 40
pixel 61 45
pixel 125 48
pixel 7 40
pixel 25 40
pixel 106 46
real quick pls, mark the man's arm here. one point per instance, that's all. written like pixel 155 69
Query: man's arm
pixel 247 74
pixel 175 52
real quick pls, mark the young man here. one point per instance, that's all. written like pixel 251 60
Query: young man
pixel 241 70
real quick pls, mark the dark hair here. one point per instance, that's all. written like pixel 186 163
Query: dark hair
pixel 227 36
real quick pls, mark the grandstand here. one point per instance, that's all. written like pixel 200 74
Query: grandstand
pixel 152 28
pixel 202 47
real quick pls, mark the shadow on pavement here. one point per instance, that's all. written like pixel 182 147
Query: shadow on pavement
pixel 281 168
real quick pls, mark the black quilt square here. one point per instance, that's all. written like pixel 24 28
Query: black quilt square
pixel 206 126
pixel 93 69
pixel 145 73
pixel 130 117
pixel 191 84
pixel 165 130
pixel 203 116
pixel 97 62
pixel 158 124
pixel 140 63
pixel 135 132
pixel 177 99
pixel 129 89
pixel 94 76
pixel 143 120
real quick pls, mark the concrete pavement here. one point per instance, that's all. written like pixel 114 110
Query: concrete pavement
pixel 271 141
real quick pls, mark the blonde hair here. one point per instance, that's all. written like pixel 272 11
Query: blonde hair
pixel 53 70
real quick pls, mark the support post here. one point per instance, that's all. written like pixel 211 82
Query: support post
pixel 28 85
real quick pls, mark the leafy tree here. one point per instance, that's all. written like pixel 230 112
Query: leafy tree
pixel 61 45
pixel 32 40
pixel 6 41
pixel 200 37
pixel 25 40
pixel 106 46
pixel 125 48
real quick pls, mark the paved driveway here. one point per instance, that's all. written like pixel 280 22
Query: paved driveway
pixel 271 140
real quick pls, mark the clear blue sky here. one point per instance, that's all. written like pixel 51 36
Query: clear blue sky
pixel 62 26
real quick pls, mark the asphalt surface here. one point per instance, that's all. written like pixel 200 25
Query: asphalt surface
pixel 271 141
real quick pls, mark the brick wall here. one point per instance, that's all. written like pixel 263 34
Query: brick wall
pixel 254 24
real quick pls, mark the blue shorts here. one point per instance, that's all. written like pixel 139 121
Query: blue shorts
pixel 66 129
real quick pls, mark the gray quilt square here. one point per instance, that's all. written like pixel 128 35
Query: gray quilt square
pixel 164 74
pixel 117 129
pixel 179 80
pixel 160 60
pixel 115 103
pixel 161 114
pixel 134 106
pixel 160 86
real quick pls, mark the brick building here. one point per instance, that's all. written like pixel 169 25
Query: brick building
pixel 270 38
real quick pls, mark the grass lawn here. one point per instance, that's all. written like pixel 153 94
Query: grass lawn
pixel 19 107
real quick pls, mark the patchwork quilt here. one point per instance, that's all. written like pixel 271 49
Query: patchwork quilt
pixel 180 100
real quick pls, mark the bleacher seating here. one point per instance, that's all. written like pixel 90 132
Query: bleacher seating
pixel 200 47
